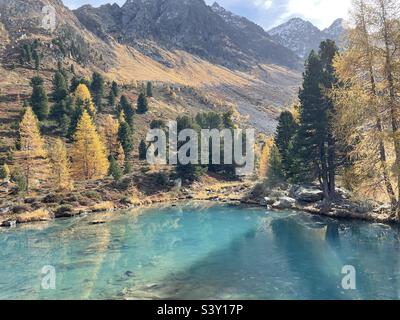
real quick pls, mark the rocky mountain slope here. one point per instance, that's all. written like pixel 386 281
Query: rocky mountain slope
pixel 186 44
pixel 302 36
pixel 190 25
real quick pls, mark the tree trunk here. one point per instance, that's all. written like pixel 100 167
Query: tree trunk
pixel 324 173
pixel 331 167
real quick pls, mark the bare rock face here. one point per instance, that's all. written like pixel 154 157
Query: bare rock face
pixel 302 36
pixel 211 33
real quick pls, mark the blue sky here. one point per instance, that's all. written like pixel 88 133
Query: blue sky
pixel 268 13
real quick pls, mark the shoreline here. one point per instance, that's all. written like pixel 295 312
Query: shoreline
pixel 215 200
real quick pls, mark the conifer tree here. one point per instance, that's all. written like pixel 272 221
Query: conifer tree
pixel 120 155
pixel 275 170
pixel 115 171
pixel 128 110
pixel 39 99
pixel 142 104
pixel 109 131
pixel 115 89
pixel 97 88
pixel 60 90
pixel 111 99
pixel 265 157
pixel 125 138
pixel 286 130
pixel 89 154
pixel 84 98
pixel 149 90
pixel 36 57
pixel 60 166
pixel 142 150
pixel 31 147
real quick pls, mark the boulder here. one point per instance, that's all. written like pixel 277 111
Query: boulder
pixel 9 224
pixel 284 203
pixel 307 194
pixel 267 201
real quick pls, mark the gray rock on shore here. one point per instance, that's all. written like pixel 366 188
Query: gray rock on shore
pixel 307 194
pixel 284 203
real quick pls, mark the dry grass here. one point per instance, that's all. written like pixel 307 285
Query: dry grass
pixel 34 216
pixel 103 206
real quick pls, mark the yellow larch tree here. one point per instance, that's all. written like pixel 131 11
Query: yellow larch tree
pixel 109 131
pixel 31 156
pixel 89 153
pixel 82 94
pixel 264 157
pixel 120 156
pixel 60 166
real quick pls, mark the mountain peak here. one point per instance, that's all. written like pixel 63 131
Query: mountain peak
pixel 302 36
pixel 212 33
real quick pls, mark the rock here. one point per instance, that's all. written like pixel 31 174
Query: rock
pixel 130 274
pixel 307 194
pixel 9 224
pixel 267 201
pixel 5 210
pixel 386 208
pixel 97 222
pixel 343 193
pixel 284 203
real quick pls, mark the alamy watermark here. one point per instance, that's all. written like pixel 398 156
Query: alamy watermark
pixel 349 280
pixel 49 20
pixel 203 148
pixel 49 278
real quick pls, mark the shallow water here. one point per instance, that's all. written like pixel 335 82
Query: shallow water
pixel 200 251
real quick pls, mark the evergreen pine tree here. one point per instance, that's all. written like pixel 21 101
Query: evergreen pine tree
pixel 115 171
pixel 149 90
pixel 128 110
pixel 142 104
pixel 142 150
pixel 60 90
pixel 97 88
pixel 39 99
pixel 286 130
pixel 115 89
pixel 125 138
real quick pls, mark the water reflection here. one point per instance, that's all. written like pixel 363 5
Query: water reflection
pixel 201 252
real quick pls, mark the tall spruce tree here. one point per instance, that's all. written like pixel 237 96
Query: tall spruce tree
pixel 125 138
pixel 142 104
pixel 39 100
pixel 314 145
pixel 142 150
pixel 128 110
pixel 97 89
pixel 149 89
pixel 60 90
pixel 286 130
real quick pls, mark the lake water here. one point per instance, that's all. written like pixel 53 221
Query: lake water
pixel 200 251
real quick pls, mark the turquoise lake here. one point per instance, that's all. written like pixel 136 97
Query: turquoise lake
pixel 200 251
